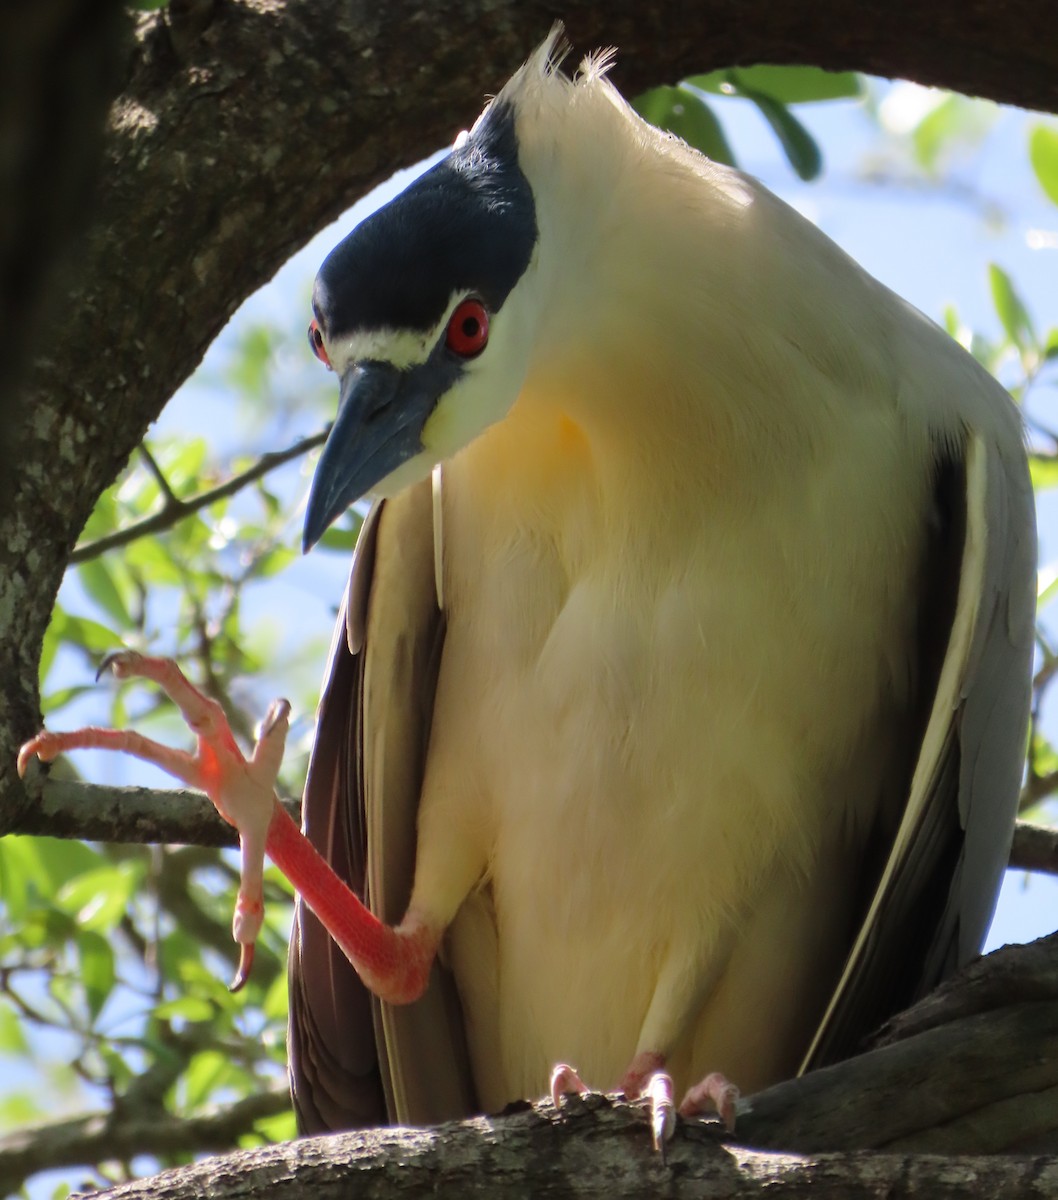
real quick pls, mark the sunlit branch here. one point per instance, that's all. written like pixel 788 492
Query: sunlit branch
pixel 174 509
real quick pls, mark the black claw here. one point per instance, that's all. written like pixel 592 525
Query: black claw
pixel 243 973
pixel 108 662
pixel 278 710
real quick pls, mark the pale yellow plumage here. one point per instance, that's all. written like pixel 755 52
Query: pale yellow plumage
pixel 681 673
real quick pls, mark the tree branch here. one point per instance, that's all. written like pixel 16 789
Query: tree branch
pixel 123 1135
pixel 94 813
pixel 101 813
pixel 1035 848
pixel 594 1145
pixel 174 509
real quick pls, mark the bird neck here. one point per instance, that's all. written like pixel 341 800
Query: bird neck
pixel 641 305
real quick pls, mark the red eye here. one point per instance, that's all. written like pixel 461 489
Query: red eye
pixel 316 342
pixel 468 329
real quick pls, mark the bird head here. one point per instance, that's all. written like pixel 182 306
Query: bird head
pixel 426 312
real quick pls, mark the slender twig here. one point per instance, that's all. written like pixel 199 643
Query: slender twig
pixel 94 813
pixel 169 497
pixel 176 509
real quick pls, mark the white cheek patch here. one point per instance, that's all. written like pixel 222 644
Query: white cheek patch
pixel 403 348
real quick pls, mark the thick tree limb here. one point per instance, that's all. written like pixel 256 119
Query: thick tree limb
pixel 593 1147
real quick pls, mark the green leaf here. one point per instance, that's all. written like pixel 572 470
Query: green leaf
pixel 85 633
pixel 118 1070
pixel 18 1109
pixel 275 560
pixel 1044 471
pixel 12 1037
pixel 680 111
pixel 937 129
pixel 1043 154
pixel 98 580
pixel 207 1072
pixel 51 702
pixel 82 634
pixel 104 518
pixel 1043 755
pixel 99 899
pixel 1014 317
pixel 274 1005
pixel 186 1008
pixel 249 370
pixel 798 144
pixel 32 868
pixel 97 969
pixel 155 560
pixel 183 462
pixel 281 1127
pixel 788 85
pixel 339 537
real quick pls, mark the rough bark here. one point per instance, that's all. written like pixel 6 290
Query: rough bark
pixel 593 1147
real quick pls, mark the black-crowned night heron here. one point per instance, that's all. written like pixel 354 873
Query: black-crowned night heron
pixel 682 711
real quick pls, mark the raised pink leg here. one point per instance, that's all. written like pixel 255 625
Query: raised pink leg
pixel 393 962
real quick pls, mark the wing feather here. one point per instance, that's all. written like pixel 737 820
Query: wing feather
pixel 934 900
pixel 353 1060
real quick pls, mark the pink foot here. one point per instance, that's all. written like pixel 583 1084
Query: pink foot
pixel 393 962
pixel 715 1093
pixel 662 1110
pixel 565 1082
pixel 658 1088
pixel 646 1076
pixel 243 790
pixel 640 1071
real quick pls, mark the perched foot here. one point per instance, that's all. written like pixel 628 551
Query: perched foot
pixel 566 1082
pixel 645 1076
pixel 714 1093
pixel 242 789
pixel 394 963
pixel 662 1110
